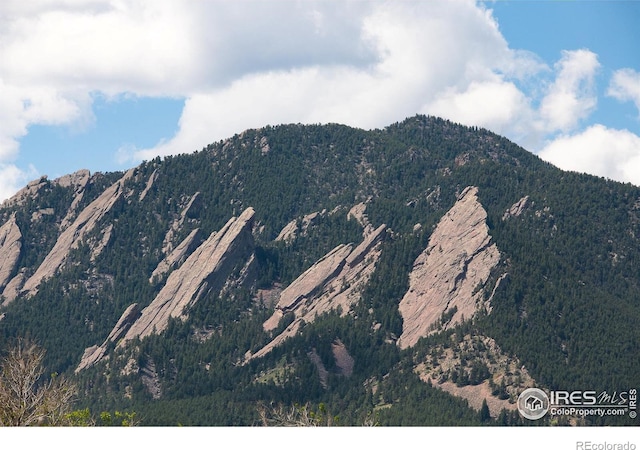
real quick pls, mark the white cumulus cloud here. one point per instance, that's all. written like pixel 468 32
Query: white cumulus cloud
pixel 625 86
pixel 497 105
pixel 598 150
pixel 249 63
pixel 405 55
pixel 13 178
pixel 572 96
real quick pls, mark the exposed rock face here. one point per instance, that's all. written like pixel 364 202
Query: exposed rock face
pixel 343 360
pixel 10 245
pixel 13 287
pixel 98 247
pixel 207 268
pixel 291 230
pixel 194 203
pixel 447 275
pixel 90 356
pixel 332 282
pixel 288 233
pixel 78 180
pixel 323 373
pixel 264 145
pixel 517 208
pixel 39 214
pixel 309 283
pixel 94 353
pixel 177 256
pixel 150 182
pixel 29 191
pixel 128 318
pixel 358 213
pixel 71 237
pixel 150 379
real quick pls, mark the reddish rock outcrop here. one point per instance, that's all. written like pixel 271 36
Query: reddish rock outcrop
pixel 291 230
pixel 94 353
pixel 10 246
pixel 448 276
pixel 13 287
pixel 29 191
pixel 147 188
pixel 207 268
pixel 97 246
pixel 332 283
pixel 72 236
pixel 357 212
pixel 457 359
pixel 344 361
pixel 517 208
pixel 177 256
pixel 78 180
pixel 39 214
pixel 193 204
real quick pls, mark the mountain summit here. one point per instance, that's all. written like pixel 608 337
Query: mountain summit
pixel 416 273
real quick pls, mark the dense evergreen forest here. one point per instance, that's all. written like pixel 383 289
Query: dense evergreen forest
pixel 567 306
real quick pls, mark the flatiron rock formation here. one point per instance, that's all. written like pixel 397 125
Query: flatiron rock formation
pixel 27 192
pixel 150 181
pixel 12 289
pixel 446 280
pixel 78 180
pixel 207 268
pixel 177 256
pixel 357 212
pixel 334 281
pixel 72 236
pixel 10 246
pixel 194 203
pixel 94 354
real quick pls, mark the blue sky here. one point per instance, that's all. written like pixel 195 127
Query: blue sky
pixel 608 28
pixel 118 124
pixel 105 84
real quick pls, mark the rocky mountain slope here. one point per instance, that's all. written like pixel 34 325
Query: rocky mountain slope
pixel 376 272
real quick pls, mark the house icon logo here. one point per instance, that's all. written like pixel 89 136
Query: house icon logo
pixel 533 403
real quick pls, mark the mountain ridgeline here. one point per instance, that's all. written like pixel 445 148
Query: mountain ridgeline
pixel 420 274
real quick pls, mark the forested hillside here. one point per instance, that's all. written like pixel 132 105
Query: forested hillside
pixel 558 308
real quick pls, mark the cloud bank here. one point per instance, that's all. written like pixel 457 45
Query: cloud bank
pixel 246 64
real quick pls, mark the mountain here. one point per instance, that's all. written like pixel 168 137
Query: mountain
pixel 418 274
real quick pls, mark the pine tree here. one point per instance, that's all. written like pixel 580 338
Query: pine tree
pixel 485 415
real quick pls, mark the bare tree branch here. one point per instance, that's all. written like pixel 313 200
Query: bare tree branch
pixel 24 399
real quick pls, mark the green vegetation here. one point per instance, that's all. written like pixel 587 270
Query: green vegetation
pixel 568 306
